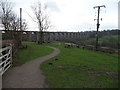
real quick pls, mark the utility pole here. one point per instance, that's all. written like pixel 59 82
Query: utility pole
pixel 20 25
pixel 98 24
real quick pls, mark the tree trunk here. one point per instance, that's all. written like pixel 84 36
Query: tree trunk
pixel 40 37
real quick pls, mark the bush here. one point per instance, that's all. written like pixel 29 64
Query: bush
pixel 106 41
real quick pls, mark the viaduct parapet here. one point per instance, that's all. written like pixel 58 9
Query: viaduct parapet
pixel 54 36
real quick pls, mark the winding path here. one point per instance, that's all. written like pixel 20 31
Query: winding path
pixel 28 75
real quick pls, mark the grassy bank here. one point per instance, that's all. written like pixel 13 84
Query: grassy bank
pixel 32 52
pixel 106 41
pixel 78 68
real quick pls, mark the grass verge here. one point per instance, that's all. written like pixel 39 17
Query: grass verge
pixel 32 52
pixel 78 68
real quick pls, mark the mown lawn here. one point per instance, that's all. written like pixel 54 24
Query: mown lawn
pixel 78 68
pixel 32 52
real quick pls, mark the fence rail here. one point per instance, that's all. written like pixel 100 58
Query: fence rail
pixel 5 59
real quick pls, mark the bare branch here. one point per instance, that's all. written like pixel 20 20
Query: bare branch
pixel 41 17
pixel 31 17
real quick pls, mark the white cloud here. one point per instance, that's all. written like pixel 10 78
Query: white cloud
pixel 74 14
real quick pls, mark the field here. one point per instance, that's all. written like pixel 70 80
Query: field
pixel 81 68
pixel 32 52
pixel 106 41
pixel 73 67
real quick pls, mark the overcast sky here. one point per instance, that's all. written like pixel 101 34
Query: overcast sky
pixel 73 15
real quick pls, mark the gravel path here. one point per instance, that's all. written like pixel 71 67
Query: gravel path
pixel 28 75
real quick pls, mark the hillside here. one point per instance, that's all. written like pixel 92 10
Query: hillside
pixel 111 41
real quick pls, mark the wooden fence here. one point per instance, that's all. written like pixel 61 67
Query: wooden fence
pixel 5 59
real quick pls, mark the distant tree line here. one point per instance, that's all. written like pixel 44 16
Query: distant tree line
pixel 102 33
pixel 107 38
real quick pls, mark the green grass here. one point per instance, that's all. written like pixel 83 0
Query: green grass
pixel 78 68
pixel 29 43
pixel 108 41
pixel 32 52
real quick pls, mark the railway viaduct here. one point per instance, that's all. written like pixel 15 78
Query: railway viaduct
pixel 53 36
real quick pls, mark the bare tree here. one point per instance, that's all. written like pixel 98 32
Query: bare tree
pixel 6 13
pixel 24 24
pixel 41 18
pixel 10 21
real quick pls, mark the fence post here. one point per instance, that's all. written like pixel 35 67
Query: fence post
pixel 11 53
pixel 5 63
pixel 0 82
pixel 0 59
pixel 0 75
